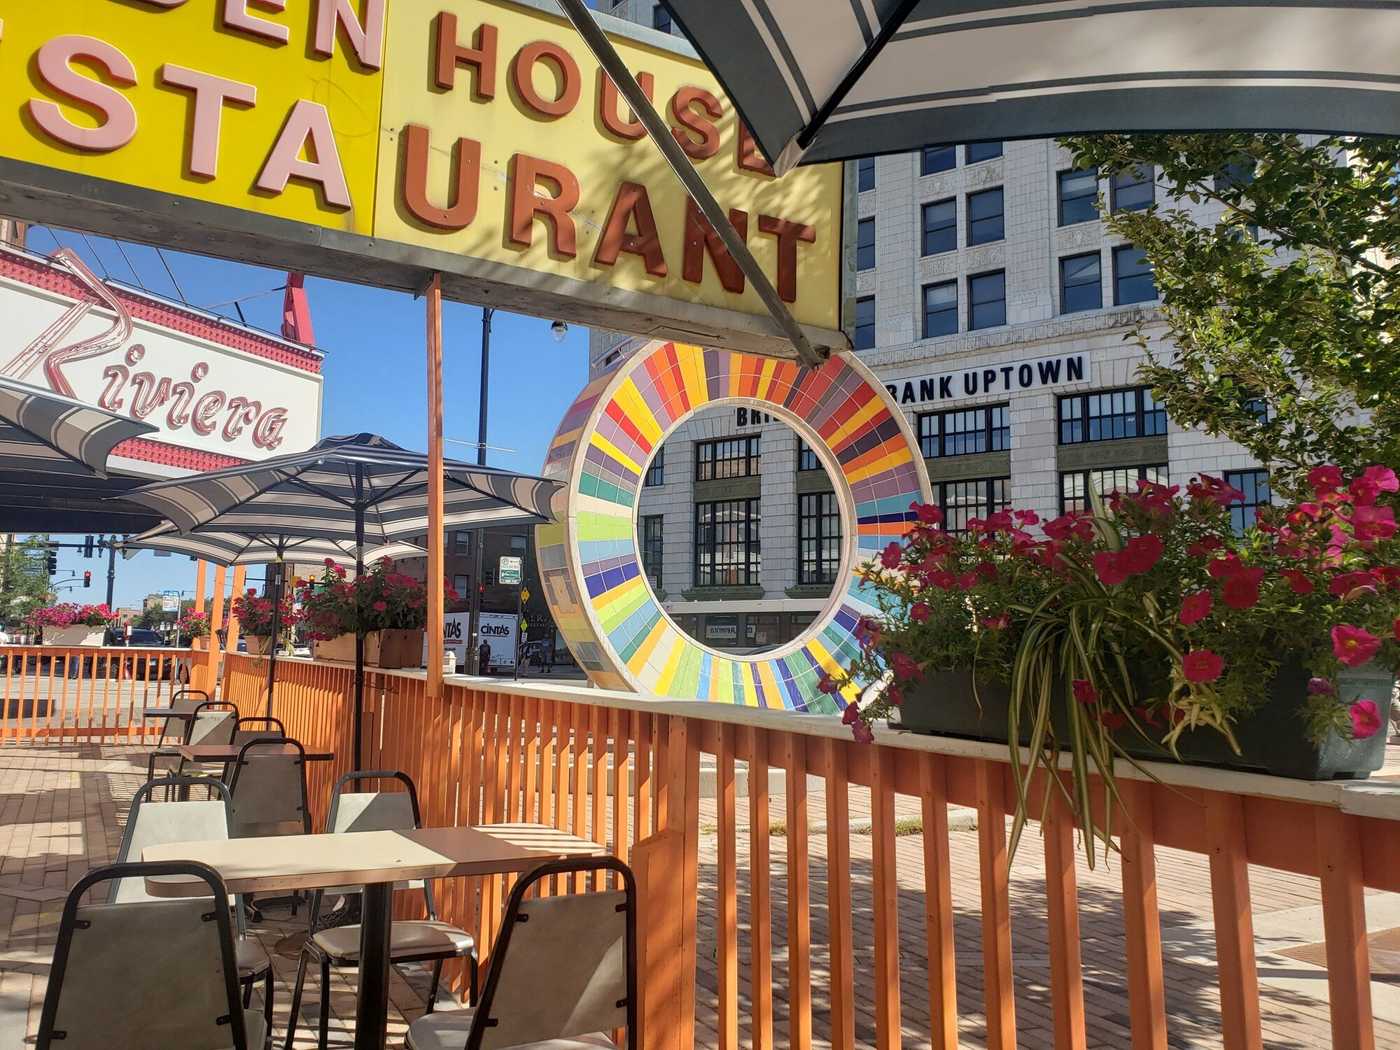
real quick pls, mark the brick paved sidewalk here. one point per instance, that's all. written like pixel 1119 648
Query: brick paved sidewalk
pixel 62 807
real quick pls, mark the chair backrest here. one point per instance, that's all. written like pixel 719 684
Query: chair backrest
pixel 378 811
pixel 268 791
pixel 145 973
pixel 151 823
pixel 581 947
pixel 213 723
pixel 258 727
pixel 182 700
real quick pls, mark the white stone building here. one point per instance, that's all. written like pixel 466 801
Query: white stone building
pixel 983 288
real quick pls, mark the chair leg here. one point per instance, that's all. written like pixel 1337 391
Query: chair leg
pixel 247 992
pixel 324 1037
pixel 433 988
pixel 472 978
pixel 268 990
pixel 296 1000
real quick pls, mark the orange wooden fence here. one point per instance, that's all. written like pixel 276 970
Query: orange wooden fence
pixel 625 772
pixel 68 694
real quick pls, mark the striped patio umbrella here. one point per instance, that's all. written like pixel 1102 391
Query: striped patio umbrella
pixel 821 80
pixel 361 490
pixel 47 433
pixel 227 548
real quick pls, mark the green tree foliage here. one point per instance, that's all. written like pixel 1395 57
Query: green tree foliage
pixel 24 579
pixel 1290 294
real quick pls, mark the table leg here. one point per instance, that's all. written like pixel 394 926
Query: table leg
pixel 372 1009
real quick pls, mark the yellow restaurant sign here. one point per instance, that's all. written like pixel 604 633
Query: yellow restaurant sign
pixel 380 142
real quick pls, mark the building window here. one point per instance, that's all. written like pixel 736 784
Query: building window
pixel 938 158
pixel 865 244
pixel 986 298
pixel 462 541
pixel 1075 486
pixel 865 323
pixel 1235 175
pixel 462 584
pixel 1081 283
pixel 940 227
pixel 965 431
pixel 652 547
pixel 1108 415
pixel 661 18
pixel 940 309
pixel 962 501
pixel 974 152
pixel 818 538
pixel 519 543
pixel 986 220
pixel 1133 190
pixel 1255 486
pixel 726 543
pixel 806 458
pixel 726 458
pixel 656 470
pixel 1079 193
pixel 865 174
pixel 1132 276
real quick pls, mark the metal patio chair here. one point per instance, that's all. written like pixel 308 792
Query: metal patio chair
pixel 421 940
pixel 247 728
pixel 152 823
pixel 108 990
pixel 563 972
pixel 213 723
pixel 267 792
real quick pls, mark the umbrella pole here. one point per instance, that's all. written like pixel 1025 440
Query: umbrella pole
pixel 276 630
pixel 433 683
pixel 359 624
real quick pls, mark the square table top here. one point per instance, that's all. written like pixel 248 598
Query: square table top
pixel 303 862
pixel 229 753
pixel 168 712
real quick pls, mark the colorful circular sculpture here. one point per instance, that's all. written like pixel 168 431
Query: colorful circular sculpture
pixel 590 566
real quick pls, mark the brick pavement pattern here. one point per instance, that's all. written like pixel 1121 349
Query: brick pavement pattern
pixel 62 808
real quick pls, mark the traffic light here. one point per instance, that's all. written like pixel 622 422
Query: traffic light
pixel 87 546
pixel 51 561
pixel 87 578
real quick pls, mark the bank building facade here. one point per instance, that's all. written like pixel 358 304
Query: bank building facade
pixel 985 291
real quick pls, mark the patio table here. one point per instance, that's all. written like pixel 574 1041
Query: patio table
pixel 374 860
pixel 183 713
pixel 228 753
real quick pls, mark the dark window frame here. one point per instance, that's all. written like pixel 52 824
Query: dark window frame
pixel 740 448
pixel 856 340
pixel 1129 181
pixel 926 231
pixel 1254 483
pixel 1119 253
pixel 865 166
pixel 938 441
pixel 995 221
pixel 1148 416
pixel 1076 200
pixel 937 151
pixel 1096 283
pixel 818 547
pixel 972 278
pixel 865 253
pixel 807 458
pixel 1141 471
pixel 739 571
pixel 950 311
pixel 661 18
pixel 656 470
pixel 985 151
pixel 995 496
pixel 652 546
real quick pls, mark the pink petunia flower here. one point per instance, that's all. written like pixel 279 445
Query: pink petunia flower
pixel 1241 591
pixel 1202 665
pixel 1325 479
pixel 1195 608
pixel 890 556
pixel 1365 719
pixel 1353 646
pixel 1084 691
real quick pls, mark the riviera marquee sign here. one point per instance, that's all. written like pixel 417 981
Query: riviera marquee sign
pixel 379 142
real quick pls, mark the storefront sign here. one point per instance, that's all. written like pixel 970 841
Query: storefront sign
pixel 377 142
pixel 991 380
pixel 219 393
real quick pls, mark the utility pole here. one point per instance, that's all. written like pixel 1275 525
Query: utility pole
pixel 479 535
pixel 111 568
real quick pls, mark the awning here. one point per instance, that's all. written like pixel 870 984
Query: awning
pixel 820 80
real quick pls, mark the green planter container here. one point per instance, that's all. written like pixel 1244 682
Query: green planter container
pixel 1272 740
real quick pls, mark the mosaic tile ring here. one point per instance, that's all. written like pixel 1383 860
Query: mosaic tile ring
pixel 589 557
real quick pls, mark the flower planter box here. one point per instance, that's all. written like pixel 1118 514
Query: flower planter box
pixel 259 644
pixel 387 650
pixel 199 643
pixel 1272 740
pixel 78 634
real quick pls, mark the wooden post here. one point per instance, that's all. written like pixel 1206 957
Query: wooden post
pixel 1234 923
pixel 434 676
pixel 1344 922
pixel 1062 911
pixel 1147 998
pixel 240 578
pixel 201 568
pixel 216 617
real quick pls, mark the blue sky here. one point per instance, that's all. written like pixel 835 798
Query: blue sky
pixel 375 374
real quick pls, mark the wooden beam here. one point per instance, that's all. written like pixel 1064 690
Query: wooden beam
pixel 435 609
